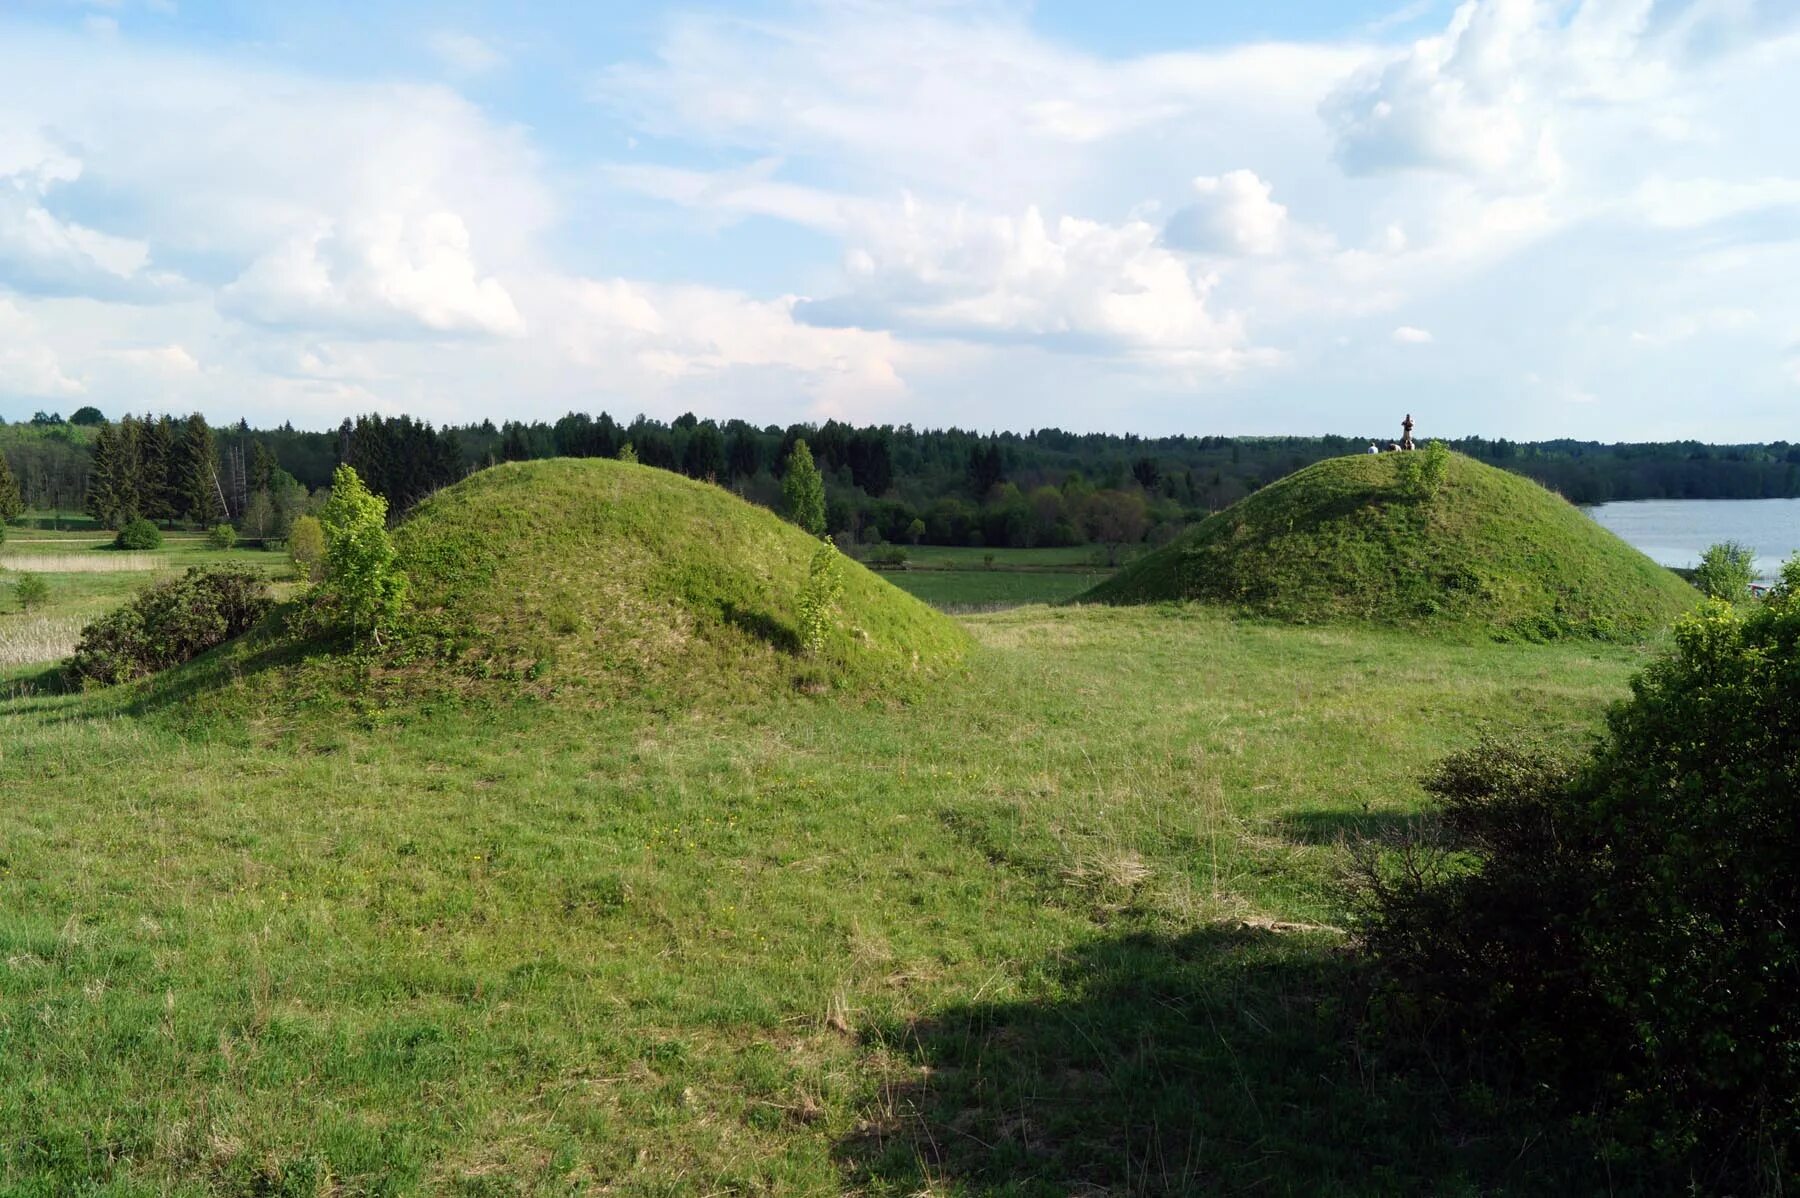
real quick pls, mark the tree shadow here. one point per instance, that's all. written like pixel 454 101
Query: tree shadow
pixel 762 626
pixel 1226 1060
pixel 1347 827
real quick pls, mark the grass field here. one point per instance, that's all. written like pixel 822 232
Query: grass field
pixel 963 580
pixel 87 578
pixel 1064 926
pixel 981 590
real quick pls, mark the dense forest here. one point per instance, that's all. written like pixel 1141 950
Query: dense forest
pixel 939 486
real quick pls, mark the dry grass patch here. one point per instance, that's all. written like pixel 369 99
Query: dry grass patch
pixel 78 563
pixel 26 640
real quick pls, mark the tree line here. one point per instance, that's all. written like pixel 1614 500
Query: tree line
pixel 882 483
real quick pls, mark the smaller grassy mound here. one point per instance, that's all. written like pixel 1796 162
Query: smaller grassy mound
pixel 1342 540
pixel 593 573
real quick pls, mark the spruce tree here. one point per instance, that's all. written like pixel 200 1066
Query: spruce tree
pixel 105 501
pixel 156 460
pixel 10 502
pixel 199 473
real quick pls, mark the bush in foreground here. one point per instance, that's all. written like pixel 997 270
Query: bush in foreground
pixel 169 623
pixel 363 588
pixel 138 533
pixel 1624 937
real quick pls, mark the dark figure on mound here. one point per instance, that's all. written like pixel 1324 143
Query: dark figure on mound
pixel 1406 441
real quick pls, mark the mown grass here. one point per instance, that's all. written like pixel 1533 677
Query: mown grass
pixel 964 590
pixel 1016 935
pixel 1488 554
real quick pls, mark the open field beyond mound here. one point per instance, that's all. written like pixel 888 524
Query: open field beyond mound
pixel 1062 926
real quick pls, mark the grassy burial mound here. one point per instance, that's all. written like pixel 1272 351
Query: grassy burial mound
pixel 593 573
pixel 1356 539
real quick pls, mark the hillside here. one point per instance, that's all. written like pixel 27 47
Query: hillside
pixel 1489 552
pixel 594 577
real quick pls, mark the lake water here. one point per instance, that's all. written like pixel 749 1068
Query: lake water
pixel 1676 531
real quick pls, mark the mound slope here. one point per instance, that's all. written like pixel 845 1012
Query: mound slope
pixel 1491 552
pixel 589 577
pixel 599 573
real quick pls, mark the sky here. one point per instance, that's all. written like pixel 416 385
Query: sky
pixel 1519 218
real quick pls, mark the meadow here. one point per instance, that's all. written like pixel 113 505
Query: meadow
pixel 1069 925
pixel 87 577
pixel 962 580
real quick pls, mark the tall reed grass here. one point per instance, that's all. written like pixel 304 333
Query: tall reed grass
pixel 27 640
pixel 83 563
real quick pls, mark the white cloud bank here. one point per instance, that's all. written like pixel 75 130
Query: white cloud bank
pixel 1009 231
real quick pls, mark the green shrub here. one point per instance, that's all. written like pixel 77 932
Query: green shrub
pixel 1421 473
pixel 138 533
pixel 221 536
pixel 819 597
pixel 804 489
pixel 1624 938
pixel 1726 571
pixel 31 590
pixel 306 548
pixel 363 588
pixel 890 556
pixel 169 623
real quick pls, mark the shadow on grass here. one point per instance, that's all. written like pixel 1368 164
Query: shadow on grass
pixel 1220 1061
pixel 762 626
pixel 1346 827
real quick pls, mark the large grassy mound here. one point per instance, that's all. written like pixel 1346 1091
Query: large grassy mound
pixel 1342 540
pixel 587 572
pixel 597 579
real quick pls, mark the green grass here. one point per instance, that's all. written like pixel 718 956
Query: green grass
pixel 957 557
pixel 85 582
pixel 978 590
pixel 1014 936
pixel 1491 554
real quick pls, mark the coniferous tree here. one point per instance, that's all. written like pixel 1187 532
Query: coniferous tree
pixel 156 455
pixel 110 494
pixel 11 504
pixel 199 472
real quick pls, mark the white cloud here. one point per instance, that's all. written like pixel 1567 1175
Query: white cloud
pixel 382 274
pixel 1067 282
pixel 1233 214
pixel 28 367
pixel 168 359
pixel 464 53
pixel 1466 100
pixel 1408 334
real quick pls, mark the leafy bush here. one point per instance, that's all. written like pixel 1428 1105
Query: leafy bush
pixel 362 585
pixel 169 623
pixel 890 556
pixel 31 590
pixel 819 597
pixel 1726 571
pixel 306 548
pixel 1625 937
pixel 1422 472
pixel 138 533
pixel 221 536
